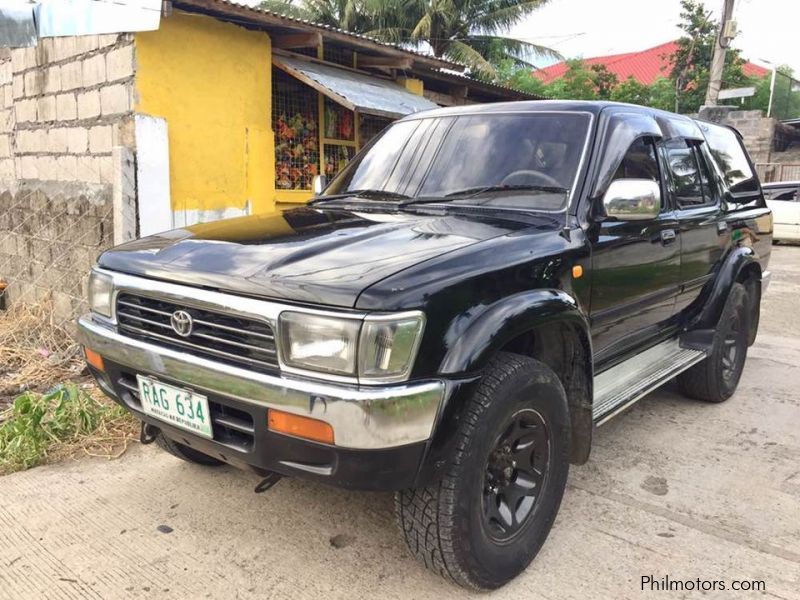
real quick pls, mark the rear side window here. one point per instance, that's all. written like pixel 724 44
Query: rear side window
pixel 729 155
pixel 688 172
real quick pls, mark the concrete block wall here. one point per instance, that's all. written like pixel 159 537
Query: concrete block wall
pixel 66 148
pixel 757 131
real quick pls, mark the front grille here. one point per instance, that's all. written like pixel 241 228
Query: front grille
pixel 231 426
pixel 225 338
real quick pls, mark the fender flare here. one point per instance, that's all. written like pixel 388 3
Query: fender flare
pixel 729 273
pixel 490 330
pixel 507 319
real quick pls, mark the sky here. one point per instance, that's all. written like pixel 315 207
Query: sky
pixel 769 30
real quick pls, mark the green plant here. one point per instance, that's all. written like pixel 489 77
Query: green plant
pixel 465 31
pixel 692 59
pixel 38 424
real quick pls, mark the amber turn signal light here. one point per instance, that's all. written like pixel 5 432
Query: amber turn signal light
pixel 297 426
pixel 94 359
pixel 577 271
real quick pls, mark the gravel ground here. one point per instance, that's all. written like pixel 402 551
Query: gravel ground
pixel 674 488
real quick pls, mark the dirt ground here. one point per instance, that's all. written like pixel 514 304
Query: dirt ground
pixel 674 488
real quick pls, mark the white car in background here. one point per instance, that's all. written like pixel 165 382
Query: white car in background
pixel 783 197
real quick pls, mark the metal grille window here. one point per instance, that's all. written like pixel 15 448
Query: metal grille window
pixel 295 120
pixel 370 126
pixel 336 157
pixel 340 137
pixel 338 55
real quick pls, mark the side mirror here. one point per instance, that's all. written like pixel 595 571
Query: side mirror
pixel 318 184
pixel 632 200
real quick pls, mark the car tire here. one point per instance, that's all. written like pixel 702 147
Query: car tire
pixel 481 524
pixel 715 379
pixel 186 453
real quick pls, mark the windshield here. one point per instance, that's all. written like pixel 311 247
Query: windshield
pixel 515 161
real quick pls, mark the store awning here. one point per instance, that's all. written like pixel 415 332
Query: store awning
pixel 356 91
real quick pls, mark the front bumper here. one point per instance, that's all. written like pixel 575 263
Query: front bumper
pixel 381 432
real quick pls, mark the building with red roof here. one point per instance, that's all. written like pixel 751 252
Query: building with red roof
pixel 644 66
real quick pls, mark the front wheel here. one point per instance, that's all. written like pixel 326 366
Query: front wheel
pixel 484 521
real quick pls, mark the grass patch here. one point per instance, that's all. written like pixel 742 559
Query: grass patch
pixel 49 408
pixel 36 352
pixel 65 421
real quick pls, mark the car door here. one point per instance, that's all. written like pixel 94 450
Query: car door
pixel 785 205
pixel 635 267
pixel 704 234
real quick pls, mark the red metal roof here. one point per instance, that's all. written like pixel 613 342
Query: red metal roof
pixel 645 66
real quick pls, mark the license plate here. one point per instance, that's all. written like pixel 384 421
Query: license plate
pixel 176 406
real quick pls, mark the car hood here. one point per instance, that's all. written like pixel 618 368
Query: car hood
pixel 310 255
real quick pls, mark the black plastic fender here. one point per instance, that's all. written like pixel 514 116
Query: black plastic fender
pixel 490 330
pixel 730 272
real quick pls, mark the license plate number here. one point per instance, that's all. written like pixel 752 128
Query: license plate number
pixel 176 406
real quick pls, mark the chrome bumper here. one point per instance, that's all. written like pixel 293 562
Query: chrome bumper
pixel 361 417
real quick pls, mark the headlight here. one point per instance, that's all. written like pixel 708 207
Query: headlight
pixel 319 343
pixel 388 346
pixel 101 288
pixel 385 345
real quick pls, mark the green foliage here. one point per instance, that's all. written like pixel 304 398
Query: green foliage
pixel 692 60
pixel 660 94
pixel 683 90
pixel 38 422
pixel 465 31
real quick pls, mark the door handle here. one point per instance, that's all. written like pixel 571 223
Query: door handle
pixel 667 236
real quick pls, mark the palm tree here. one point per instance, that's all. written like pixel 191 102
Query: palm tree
pixel 464 31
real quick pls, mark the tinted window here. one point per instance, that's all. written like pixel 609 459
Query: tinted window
pixel 684 172
pixel 729 155
pixel 639 162
pixel 533 158
pixel 789 194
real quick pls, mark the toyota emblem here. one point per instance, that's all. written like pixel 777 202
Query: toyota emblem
pixel 182 323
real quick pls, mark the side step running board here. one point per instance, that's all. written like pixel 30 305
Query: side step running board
pixel 620 386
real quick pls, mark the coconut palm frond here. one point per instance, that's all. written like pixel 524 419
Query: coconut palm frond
pixel 520 51
pixel 287 8
pixel 465 54
pixel 423 27
pixel 394 35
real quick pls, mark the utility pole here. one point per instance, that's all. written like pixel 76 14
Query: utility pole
pixel 726 34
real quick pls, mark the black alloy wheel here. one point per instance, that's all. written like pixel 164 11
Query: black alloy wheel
pixel 515 474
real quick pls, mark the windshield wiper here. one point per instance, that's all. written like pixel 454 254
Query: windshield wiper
pixel 365 193
pixel 476 191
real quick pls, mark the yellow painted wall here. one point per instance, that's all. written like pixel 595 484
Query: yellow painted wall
pixel 415 86
pixel 211 81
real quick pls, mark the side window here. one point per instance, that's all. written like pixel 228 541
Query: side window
pixel 639 162
pixel 730 157
pixel 689 174
pixel 706 178
pixel 789 195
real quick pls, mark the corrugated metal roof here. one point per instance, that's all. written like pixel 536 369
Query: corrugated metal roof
pixel 645 66
pixel 224 7
pixel 221 4
pixel 356 91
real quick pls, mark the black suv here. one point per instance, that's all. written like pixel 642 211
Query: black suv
pixel 450 319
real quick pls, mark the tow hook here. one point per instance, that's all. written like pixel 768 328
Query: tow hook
pixel 148 434
pixel 271 479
